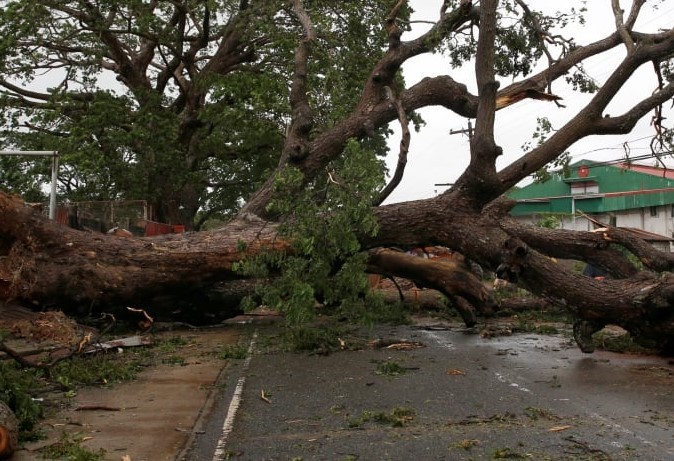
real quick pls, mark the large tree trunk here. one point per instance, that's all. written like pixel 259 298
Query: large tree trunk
pixel 46 264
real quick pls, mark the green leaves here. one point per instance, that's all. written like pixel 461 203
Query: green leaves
pixel 324 219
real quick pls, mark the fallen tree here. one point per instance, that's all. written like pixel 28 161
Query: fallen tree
pixel 44 264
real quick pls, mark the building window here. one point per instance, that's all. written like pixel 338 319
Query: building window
pixel 654 211
pixel 582 188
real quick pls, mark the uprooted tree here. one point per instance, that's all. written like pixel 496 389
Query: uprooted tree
pixel 315 221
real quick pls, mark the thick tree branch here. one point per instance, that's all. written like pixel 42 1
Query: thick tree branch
pixel 590 119
pixel 481 172
pixel 302 114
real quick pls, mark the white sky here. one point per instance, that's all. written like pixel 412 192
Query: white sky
pixel 437 157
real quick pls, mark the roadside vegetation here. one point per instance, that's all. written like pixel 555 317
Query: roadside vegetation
pixel 35 393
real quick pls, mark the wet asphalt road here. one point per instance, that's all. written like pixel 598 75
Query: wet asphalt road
pixel 461 397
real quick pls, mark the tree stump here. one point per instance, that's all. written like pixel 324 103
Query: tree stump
pixel 9 431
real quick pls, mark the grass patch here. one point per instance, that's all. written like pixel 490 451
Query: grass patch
pixel 318 339
pixel 170 345
pixel 398 417
pixel 536 413
pixel 232 352
pixel 466 444
pixel 374 309
pixel 70 448
pixel 96 369
pixel 507 453
pixel 390 368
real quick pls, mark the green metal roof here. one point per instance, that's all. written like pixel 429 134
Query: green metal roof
pixel 619 189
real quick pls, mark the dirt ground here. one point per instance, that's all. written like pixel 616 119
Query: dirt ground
pixel 150 418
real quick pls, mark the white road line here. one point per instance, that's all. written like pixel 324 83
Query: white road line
pixel 228 425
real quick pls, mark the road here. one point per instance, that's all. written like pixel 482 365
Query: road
pixel 458 397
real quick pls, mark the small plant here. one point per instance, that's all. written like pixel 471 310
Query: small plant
pixel 232 352
pixel 171 345
pixel 364 417
pixel 466 444
pixel 70 448
pixel 536 413
pixel 390 368
pixel 507 453
pixel 16 386
pixel 173 360
pixel 317 340
pixel 101 369
pixel 397 417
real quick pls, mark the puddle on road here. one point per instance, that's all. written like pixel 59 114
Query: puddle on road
pixel 558 356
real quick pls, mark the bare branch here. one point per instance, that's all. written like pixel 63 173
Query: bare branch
pixel 392 28
pixel 620 26
pixel 404 148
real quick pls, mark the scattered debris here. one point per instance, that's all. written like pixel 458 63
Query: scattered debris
pixel 96 408
pixel 492 331
pixel 146 322
pixel 52 326
pixel 559 428
pixel 264 397
pixel 395 344
pixel 455 372
pixel 130 341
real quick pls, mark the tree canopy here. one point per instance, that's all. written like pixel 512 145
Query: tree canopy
pixel 277 113
pixel 184 104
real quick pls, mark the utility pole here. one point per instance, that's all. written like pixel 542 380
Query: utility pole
pixel 54 172
pixel 468 131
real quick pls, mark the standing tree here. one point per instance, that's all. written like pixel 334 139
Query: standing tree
pixel 207 104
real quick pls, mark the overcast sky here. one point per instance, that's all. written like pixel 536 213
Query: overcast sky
pixel 436 157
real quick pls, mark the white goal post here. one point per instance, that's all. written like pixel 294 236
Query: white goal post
pixel 54 172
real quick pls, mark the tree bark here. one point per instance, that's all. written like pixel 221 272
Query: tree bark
pixel 46 264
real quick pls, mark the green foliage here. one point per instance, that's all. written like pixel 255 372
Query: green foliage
pixel 550 222
pixel 317 340
pixel 581 81
pixel 232 352
pixel 69 448
pixel 507 453
pixel 397 417
pixel 541 134
pixel 16 387
pixel 371 309
pixel 200 145
pixel 390 368
pixel 519 45
pixel 324 220
pixel 95 369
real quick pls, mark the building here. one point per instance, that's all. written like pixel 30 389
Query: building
pixel 624 195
